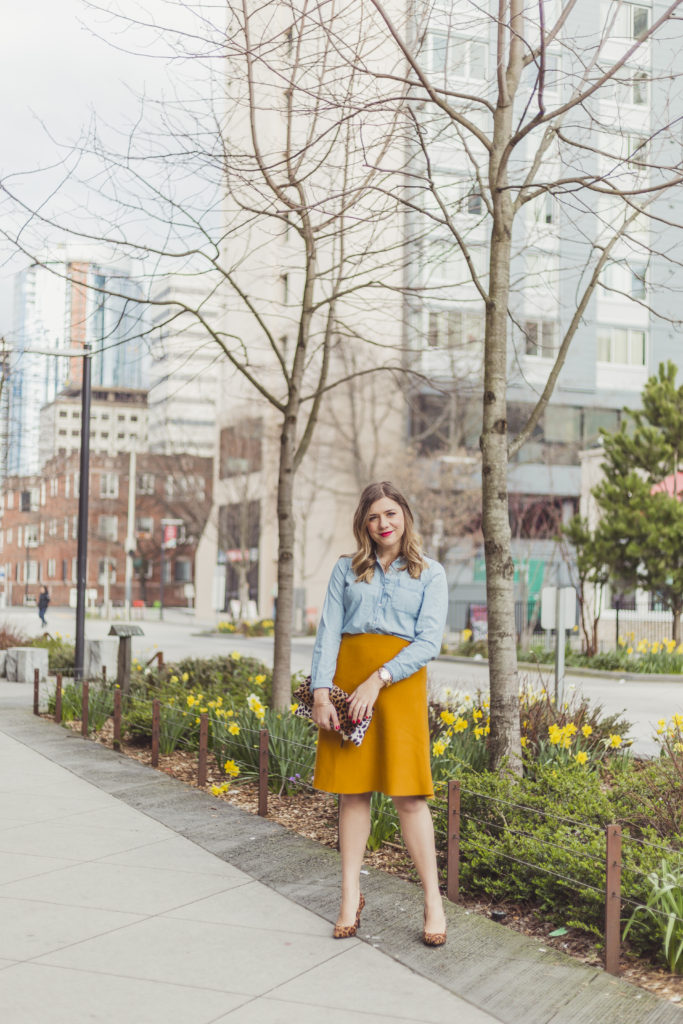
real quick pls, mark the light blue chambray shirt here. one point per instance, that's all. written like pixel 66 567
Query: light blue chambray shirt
pixel 391 603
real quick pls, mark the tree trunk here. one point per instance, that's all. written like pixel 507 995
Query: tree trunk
pixel 282 678
pixel 500 599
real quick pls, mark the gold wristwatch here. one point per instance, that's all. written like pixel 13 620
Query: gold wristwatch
pixel 385 675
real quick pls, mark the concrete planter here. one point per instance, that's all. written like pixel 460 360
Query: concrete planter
pixel 21 663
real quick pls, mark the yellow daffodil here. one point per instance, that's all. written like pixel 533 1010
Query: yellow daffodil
pixel 523 741
pixel 260 679
pixel 438 747
pixel 293 707
pixel 581 757
pixel 447 717
pixel 230 768
pixel 234 729
pixel 460 725
pixel 174 679
pixel 235 655
pixel 185 677
pixel 614 740
pixel 479 732
pixel 587 730
pixel 466 635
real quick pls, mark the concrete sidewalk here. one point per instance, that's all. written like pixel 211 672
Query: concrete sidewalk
pixel 127 896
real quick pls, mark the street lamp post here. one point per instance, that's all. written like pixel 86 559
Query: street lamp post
pixel 84 488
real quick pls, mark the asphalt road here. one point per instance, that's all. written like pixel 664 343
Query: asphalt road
pixel 643 702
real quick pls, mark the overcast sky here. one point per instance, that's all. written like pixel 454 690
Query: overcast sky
pixel 53 69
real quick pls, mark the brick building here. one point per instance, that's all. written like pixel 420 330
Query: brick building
pixel 39 528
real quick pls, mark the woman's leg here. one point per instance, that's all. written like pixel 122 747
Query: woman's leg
pixel 418 833
pixel 354 829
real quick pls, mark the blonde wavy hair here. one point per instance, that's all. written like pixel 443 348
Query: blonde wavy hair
pixel 364 560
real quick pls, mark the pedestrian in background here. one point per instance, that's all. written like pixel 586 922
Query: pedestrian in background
pixel 43 602
pixel 382 621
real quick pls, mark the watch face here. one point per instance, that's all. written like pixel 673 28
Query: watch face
pixel 384 674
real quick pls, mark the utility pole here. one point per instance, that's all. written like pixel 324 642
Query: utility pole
pixel 83 494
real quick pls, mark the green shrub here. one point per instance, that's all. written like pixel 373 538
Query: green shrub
pixel 541 839
pixel 61 655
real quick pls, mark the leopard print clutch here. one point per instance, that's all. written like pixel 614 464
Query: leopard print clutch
pixel 355 732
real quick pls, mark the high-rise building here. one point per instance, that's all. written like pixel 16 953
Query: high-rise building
pixel 184 371
pixel 67 304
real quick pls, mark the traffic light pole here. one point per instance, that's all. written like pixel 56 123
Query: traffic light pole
pixel 83 493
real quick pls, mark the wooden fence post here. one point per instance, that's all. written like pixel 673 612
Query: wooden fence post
pixel 156 713
pixel 453 855
pixel 85 697
pixel 263 773
pixel 203 748
pixel 58 698
pixel 613 899
pixel 117 719
pixel 36 691
pixel 104 675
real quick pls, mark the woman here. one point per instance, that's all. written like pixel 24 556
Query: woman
pixel 43 602
pixel 382 621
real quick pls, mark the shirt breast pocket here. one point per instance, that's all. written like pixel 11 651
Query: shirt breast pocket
pixel 408 595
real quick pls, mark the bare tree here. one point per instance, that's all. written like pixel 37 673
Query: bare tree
pixel 544 145
pixel 264 191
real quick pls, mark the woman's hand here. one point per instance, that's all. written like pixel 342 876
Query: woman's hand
pixel 362 700
pixel 324 713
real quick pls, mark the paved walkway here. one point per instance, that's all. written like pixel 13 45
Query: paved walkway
pixel 127 896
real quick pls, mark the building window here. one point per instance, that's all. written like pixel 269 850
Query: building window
pixel 454 328
pixel 539 338
pixel 9 535
pixel 65 570
pixel 182 570
pixel 10 499
pixel 622 346
pixel 108 527
pixel 62 414
pixel 67 486
pixel 51 568
pixel 109 484
pixel 475 204
pixel 638 283
pixel 144 525
pixel 74 527
pixel 166 572
pixel 77 484
pixel 628 21
pixel 240 448
pixel 106 566
pixel 54 486
pixel 145 483
pixel 66 527
pixel 52 528
pixel 74 570
pixel 33 572
pixel 133 419
pixel 458 56
pixel 19 536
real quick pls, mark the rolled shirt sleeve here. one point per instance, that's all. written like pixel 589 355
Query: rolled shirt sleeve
pixel 429 627
pixel 328 637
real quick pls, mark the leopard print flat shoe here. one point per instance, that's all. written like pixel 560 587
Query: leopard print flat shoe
pixel 347 931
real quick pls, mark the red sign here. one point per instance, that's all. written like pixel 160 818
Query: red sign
pixel 169 537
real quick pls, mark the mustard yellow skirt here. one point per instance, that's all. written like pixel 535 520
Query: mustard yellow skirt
pixel 394 756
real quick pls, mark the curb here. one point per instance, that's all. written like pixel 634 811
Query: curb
pixel 514 978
